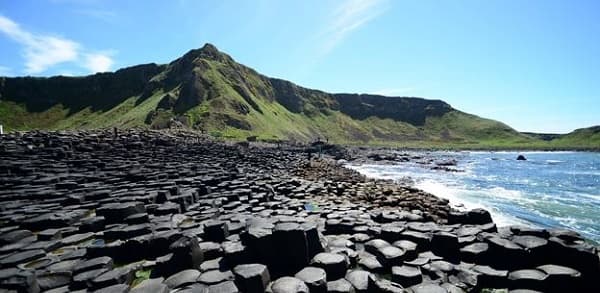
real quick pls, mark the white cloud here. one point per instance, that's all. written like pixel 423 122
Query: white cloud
pixel 98 62
pixel 44 51
pixel 348 17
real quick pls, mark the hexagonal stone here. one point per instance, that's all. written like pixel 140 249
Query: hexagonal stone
pixel 428 288
pixel 288 285
pixel 527 279
pixel 19 281
pixel 372 246
pixel 224 287
pixel 383 285
pixel 183 278
pixel 409 247
pixel 21 257
pixel 119 288
pixel 151 285
pixel 370 263
pixel 421 239
pixel 504 253
pixel 252 278
pixel 290 248
pixel 315 278
pixel 215 230
pixel 215 277
pixel 115 276
pixel 359 280
pixel 51 280
pixel 94 263
pixel 406 275
pixel 390 255
pixel 335 265
pixel 117 212
pixel 445 244
pixel 391 232
pixel 489 277
pixel 475 253
pixel 340 286
pixel 235 253
pixel 560 278
pixel 83 279
pixel 211 250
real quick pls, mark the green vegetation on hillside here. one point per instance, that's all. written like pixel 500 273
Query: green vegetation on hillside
pixel 207 90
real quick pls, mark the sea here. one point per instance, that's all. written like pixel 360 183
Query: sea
pixel 548 190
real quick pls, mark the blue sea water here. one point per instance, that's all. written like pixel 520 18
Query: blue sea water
pixel 548 190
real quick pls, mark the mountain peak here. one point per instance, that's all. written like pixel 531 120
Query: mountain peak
pixel 208 51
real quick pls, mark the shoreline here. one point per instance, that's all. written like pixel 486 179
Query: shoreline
pixel 172 206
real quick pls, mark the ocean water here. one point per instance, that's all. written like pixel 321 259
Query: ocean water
pixel 549 190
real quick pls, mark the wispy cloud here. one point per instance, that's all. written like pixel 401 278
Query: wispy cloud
pixel 43 51
pixel 348 17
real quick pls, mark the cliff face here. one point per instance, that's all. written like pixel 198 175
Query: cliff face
pixel 206 89
pixel 410 110
pixel 101 91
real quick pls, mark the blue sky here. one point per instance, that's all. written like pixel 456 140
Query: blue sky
pixel 534 65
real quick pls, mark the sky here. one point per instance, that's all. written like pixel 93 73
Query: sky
pixel 534 65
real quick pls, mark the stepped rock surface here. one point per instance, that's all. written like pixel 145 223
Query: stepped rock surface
pixel 157 211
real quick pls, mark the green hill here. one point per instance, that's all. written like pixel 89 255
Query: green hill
pixel 207 90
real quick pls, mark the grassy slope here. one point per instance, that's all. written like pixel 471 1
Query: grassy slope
pixel 126 114
pixel 452 130
pixel 582 138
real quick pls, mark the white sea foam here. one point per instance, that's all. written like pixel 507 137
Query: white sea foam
pixel 459 198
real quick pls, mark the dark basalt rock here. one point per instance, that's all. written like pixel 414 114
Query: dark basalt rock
pixel 119 288
pixel 288 285
pixel 475 253
pixel 340 286
pixel 505 254
pixel 21 257
pixel 183 278
pixel 527 279
pixel 215 217
pixel 315 278
pixel 224 287
pixel 19 281
pixel 407 275
pixel 290 248
pixel 490 278
pixel 52 280
pixel 215 231
pixel 359 280
pixel 215 277
pixel 428 288
pixel 335 265
pixel 152 285
pixel 445 244
pixel 93 264
pixel 383 285
pixel 185 254
pixel 252 278
pixel 562 279
pixel 113 277
pixel 117 212
pixel 84 279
